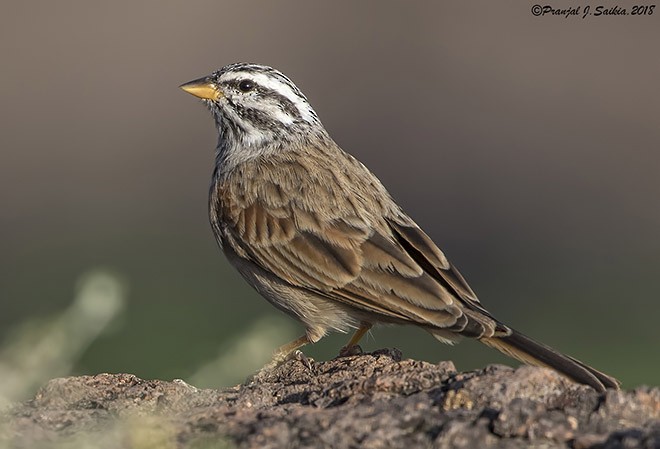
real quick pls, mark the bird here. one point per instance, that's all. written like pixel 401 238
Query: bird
pixel 316 233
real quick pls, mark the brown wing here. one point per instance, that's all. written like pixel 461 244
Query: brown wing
pixel 323 222
pixel 398 275
pixel 426 253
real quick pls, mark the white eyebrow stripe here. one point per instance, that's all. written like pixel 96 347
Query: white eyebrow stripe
pixel 283 88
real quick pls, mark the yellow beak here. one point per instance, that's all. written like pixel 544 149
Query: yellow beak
pixel 203 88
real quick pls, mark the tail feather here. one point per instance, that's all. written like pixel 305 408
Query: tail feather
pixel 531 352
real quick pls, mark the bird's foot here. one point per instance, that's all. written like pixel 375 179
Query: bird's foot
pixel 302 358
pixel 278 360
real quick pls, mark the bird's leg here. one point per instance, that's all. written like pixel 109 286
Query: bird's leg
pixel 352 347
pixel 281 355
pixel 289 350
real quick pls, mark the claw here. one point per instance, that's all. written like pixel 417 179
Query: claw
pixel 284 353
pixel 302 358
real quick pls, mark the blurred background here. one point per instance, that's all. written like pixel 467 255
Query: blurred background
pixel 527 147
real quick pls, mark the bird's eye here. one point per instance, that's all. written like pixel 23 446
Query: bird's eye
pixel 246 86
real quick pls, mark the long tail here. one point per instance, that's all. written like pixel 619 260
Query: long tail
pixel 526 350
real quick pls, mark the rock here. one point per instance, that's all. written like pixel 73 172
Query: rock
pixel 374 400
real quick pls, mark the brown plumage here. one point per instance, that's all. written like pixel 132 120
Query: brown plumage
pixel 317 234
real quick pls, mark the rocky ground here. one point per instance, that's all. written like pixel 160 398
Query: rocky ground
pixel 374 400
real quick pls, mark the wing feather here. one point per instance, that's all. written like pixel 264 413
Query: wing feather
pixel 430 257
pixel 362 251
pixel 352 265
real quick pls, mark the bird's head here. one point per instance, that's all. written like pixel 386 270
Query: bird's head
pixel 255 106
